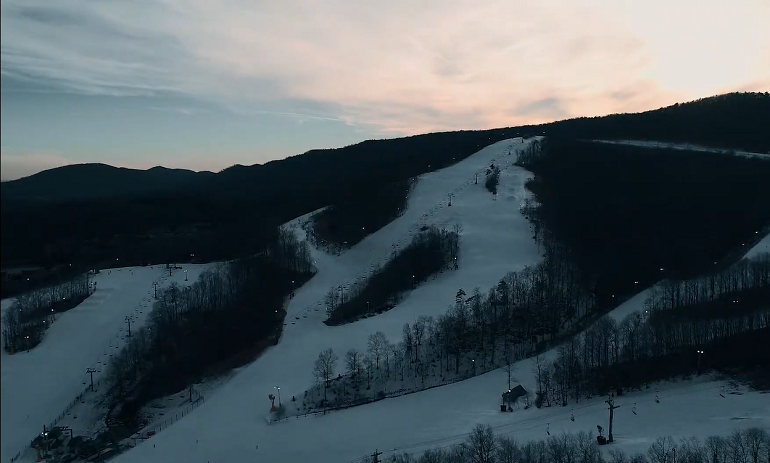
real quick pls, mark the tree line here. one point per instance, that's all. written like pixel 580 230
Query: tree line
pixel 717 317
pixel 223 320
pixel 522 314
pixel 357 215
pixel 631 216
pixel 749 445
pixel 431 251
pixel 25 321
pixel 537 307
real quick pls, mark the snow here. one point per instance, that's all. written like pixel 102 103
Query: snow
pixel 232 424
pixel 683 146
pixel 38 385
pixel 763 246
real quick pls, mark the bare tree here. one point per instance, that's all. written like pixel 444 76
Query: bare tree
pixel 738 449
pixel 353 364
pixel 324 367
pixel 757 441
pixel 377 344
pixel 507 450
pixel 661 450
pixel 616 456
pixel 369 367
pixel 690 450
pixel 716 449
pixel 481 443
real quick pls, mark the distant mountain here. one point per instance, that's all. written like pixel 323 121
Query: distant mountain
pixel 97 181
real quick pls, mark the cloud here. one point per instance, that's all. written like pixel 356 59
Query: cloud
pixel 396 68
pixel 17 164
pixel 550 107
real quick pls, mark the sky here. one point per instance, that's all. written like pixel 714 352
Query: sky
pixel 205 84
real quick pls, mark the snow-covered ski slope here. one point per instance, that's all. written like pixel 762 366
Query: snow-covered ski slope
pixel 38 385
pixel 683 146
pixel 495 239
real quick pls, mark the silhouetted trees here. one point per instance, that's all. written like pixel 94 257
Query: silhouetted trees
pixel 224 319
pixel 431 251
pixel 492 179
pixel 25 321
pixel 750 445
pixel 324 367
pixel 629 216
pixel 348 221
pixel 206 217
pixel 721 315
pixel 538 306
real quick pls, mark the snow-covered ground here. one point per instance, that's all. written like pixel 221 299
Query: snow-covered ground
pixel 37 386
pixel 763 246
pixel 682 146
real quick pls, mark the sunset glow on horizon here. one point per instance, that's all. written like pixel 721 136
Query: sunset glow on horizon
pixel 204 84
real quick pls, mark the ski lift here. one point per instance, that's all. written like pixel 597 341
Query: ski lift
pixel 572 415
pixel 548 429
pixel 633 410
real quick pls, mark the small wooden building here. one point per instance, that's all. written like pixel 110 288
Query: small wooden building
pixel 514 394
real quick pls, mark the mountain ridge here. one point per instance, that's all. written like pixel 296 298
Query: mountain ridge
pixel 703 120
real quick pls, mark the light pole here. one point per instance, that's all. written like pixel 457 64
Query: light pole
pixel 279 395
pixel 128 320
pixel 185 275
pixel 611 402
pixel 700 352
pixel 156 289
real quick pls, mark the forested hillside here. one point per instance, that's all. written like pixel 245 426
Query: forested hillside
pixel 629 216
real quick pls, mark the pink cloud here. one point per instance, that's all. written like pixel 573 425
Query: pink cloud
pixel 403 67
